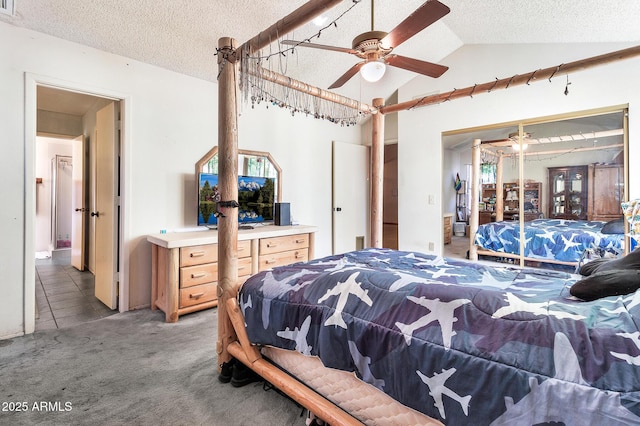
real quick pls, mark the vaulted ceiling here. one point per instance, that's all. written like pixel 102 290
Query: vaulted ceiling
pixel 183 35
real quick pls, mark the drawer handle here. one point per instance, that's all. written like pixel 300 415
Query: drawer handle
pixel 240 268
pixel 299 241
pixel 196 296
pixel 199 275
pixel 196 254
pixel 272 245
pixel 299 256
pixel 269 262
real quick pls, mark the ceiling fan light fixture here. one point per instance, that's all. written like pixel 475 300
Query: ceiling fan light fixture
pixel 320 20
pixel 373 71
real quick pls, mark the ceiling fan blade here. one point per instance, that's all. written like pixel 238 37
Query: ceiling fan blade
pixel 420 19
pixel 421 67
pixel 318 46
pixel 347 75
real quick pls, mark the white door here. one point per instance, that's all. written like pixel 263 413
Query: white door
pixel 105 214
pixel 79 209
pixel 350 197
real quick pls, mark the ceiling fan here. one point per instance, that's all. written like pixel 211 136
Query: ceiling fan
pixel 513 140
pixel 375 47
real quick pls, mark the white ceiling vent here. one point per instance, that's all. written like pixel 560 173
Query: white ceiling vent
pixel 8 7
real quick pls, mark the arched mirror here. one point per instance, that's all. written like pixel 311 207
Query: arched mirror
pixel 259 186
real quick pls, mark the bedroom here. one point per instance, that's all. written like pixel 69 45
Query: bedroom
pixel 188 105
pixel 587 148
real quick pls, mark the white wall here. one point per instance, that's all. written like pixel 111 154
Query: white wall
pixel 420 129
pixel 46 149
pixel 170 123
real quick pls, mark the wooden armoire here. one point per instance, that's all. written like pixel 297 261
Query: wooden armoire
pixel 606 191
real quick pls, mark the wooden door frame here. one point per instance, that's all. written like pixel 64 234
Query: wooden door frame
pixel 32 81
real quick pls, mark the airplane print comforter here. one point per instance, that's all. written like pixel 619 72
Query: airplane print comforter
pixel 551 239
pixel 462 342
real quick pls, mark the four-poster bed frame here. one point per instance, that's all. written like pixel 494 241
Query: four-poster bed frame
pixel 232 337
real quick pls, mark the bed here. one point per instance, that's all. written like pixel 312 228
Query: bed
pixel 549 240
pixel 456 341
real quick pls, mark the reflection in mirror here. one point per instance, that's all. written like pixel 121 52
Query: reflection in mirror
pixel 259 186
pixel 574 168
pixel 250 163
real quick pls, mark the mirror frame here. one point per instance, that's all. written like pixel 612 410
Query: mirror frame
pixel 213 151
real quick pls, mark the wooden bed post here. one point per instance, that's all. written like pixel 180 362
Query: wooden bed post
pixel 377 174
pixel 228 187
pixel 475 191
pixel 499 206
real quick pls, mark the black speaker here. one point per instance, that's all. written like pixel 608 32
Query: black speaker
pixel 282 214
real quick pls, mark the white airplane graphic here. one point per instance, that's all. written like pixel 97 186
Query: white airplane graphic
pixel 541 406
pixel 526 240
pixel 515 304
pixel 634 300
pixel 618 310
pixel 442 312
pixel 272 289
pixel 437 261
pixel 245 306
pixel 343 290
pixel 299 335
pixel 489 280
pixel 437 388
pixel 363 363
pixel 569 243
pixel 549 235
pixel 442 272
pixel 635 337
pixel 338 264
pixel 405 280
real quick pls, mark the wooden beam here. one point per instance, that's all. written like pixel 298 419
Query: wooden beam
pixel 301 393
pixel 295 19
pixel 377 175
pixel 516 80
pixel 475 195
pixel 499 205
pixel 299 86
pixel 228 187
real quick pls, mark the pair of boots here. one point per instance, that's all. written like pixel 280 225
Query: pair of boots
pixel 237 374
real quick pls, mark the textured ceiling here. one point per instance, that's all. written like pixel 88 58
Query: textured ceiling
pixel 182 35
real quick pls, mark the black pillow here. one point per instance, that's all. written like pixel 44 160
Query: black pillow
pixel 613 227
pixel 630 261
pixel 606 283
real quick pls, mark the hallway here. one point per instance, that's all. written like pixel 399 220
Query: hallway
pixel 64 295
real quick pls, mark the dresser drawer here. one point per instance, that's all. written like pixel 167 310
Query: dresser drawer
pixel 197 255
pixel 198 274
pixel 198 294
pixel 244 249
pixel 244 267
pixel 279 244
pixel 284 258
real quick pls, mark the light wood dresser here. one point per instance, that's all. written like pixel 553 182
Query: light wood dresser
pixel 447 222
pixel 184 265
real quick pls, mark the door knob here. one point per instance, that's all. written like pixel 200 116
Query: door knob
pixel 96 214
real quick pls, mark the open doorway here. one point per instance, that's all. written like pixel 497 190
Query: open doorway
pixel 66 208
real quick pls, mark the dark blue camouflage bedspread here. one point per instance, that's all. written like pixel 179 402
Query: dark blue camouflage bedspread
pixel 458 341
pixel 552 239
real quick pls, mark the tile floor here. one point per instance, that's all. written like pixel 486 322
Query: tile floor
pixel 64 295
